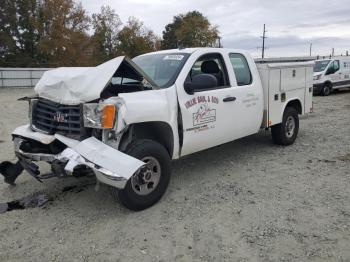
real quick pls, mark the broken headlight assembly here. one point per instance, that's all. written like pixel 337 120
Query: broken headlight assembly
pixel 99 115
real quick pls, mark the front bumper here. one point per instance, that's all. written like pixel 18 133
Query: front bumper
pixel 110 166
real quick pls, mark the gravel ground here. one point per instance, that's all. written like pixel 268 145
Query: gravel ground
pixel 248 200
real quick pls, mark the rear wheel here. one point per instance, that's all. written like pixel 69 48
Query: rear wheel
pixel 326 90
pixel 149 183
pixel 286 132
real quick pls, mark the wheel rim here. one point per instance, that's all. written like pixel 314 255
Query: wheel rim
pixel 146 179
pixel 326 90
pixel 290 126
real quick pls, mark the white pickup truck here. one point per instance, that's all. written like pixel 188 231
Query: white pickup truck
pixel 124 120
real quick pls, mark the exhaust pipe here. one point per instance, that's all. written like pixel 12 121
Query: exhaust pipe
pixel 10 171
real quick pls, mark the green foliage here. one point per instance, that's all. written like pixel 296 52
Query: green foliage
pixel 189 30
pixel 19 38
pixel 106 25
pixel 56 33
pixel 63 33
pixel 49 32
pixel 135 39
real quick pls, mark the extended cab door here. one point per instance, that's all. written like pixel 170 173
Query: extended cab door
pixel 224 113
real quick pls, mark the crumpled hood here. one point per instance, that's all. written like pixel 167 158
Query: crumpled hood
pixel 74 85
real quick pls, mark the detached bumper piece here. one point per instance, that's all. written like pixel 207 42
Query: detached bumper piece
pixel 110 166
pixel 30 167
pixel 10 171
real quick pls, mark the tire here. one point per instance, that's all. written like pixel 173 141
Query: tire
pixel 327 89
pixel 140 193
pixel 286 132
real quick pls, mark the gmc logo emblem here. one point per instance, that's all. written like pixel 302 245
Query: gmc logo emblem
pixel 59 117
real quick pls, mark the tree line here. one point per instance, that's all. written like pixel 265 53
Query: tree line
pixel 55 33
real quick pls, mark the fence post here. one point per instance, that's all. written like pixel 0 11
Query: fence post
pixel 2 79
pixel 31 78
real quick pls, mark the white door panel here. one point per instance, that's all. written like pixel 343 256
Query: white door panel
pixel 292 78
pixel 308 106
pixel 213 117
pixel 205 119
pixel 209 121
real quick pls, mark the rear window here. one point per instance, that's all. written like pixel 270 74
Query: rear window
pixel 241 69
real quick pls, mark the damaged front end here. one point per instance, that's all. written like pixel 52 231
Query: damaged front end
pixel 73 116
pixel 68 157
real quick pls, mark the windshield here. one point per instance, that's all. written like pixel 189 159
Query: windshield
pixel 163 68
pixel 321 65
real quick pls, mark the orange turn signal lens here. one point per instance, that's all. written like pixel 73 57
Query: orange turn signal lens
pixel 108 114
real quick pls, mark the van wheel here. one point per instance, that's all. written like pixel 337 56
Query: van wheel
pixel 149 183
pixel 286 132
pixel 326 90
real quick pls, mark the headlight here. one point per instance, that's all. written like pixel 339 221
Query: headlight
pixel 99 115
pixel 317 77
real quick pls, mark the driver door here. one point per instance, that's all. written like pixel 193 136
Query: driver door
pixel 206 113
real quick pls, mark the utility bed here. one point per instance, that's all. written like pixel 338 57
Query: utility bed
pixel 281 82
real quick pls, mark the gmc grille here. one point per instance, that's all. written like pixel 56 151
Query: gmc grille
pixel 51 118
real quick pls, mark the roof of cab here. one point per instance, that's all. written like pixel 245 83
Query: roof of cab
pixel 194 49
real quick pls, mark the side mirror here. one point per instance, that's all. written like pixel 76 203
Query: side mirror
pixel 200 82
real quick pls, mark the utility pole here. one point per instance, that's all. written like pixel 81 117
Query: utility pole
pixel 219 40
pixel 310 49
pixel 333 51
pixel 263 43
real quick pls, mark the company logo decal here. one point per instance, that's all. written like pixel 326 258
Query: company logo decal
pixel 201 99
pixel 204 114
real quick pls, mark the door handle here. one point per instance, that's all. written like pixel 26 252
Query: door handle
pixel 229 99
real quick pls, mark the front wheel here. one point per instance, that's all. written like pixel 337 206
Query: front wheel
pixel 149 183
pixel 326 90
pixel 286 132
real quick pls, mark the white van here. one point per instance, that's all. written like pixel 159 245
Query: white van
pixel 330 74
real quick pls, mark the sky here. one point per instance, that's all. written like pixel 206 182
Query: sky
pixel 292 25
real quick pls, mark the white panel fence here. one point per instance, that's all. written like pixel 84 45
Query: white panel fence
pixel 20 77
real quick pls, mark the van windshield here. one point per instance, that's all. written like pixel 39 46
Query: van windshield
pixel 162 68
pixel 321 65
